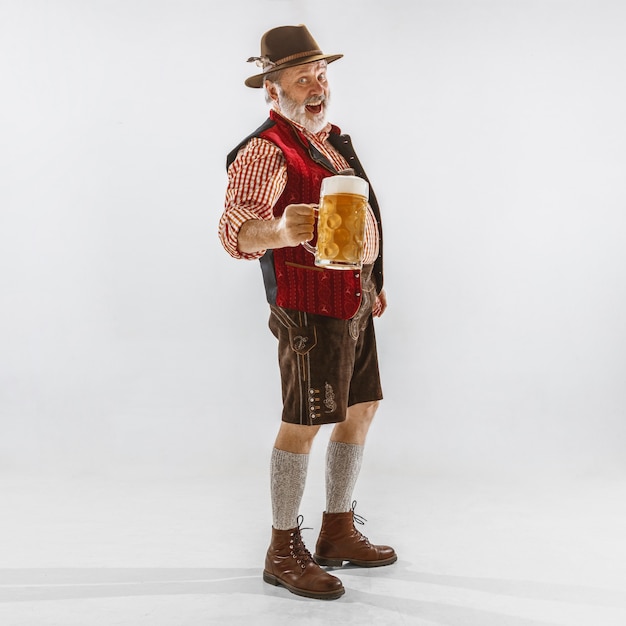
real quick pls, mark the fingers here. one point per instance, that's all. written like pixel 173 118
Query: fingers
pixel 300 214
pixel 380 306
pixel 297 223
pixel 305 210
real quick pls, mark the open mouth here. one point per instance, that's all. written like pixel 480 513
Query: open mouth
pixel 314 108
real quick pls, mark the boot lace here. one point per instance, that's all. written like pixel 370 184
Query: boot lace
pixel 299 551
pixel 359 519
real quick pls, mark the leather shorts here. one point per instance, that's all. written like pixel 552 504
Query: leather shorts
pixel 326 364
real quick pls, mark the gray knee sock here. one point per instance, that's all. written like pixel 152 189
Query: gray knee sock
pixel 288 477
pixel 343 464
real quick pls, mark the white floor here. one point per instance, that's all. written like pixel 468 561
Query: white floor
pixel 132 550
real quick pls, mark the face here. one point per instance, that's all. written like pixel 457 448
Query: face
pixel 303 95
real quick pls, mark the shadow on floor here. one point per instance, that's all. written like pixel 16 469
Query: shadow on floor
pixel 47 584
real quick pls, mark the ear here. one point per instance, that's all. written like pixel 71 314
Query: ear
pixel 271 90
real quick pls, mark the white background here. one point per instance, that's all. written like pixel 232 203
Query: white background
pixel 494 134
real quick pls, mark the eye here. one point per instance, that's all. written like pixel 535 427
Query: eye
pixel 322 77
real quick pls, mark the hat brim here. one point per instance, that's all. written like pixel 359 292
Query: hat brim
pixel 257 80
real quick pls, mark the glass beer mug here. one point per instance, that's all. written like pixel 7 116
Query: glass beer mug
pixel 341 223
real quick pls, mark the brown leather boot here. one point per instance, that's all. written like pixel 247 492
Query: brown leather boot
pixel 340 541
pixel 290 564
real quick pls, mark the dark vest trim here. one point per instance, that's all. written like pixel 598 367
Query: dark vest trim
pixel 343 145
pixel 232 155
pixel 269 276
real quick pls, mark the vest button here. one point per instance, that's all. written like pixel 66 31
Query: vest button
pixel 358 293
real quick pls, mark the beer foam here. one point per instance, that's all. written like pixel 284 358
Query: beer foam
pixel 345 184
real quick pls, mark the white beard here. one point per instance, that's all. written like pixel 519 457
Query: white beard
pixel 297 112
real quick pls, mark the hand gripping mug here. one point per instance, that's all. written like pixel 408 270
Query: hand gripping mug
pixel 341 223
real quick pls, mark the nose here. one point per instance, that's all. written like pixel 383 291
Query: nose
pixel 318 87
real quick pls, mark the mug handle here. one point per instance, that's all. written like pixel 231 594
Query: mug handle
pixel 309 248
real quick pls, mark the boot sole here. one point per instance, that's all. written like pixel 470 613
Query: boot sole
pixel 320 560
pixel 316 595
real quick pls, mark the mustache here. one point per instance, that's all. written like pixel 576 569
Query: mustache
pixel 313 100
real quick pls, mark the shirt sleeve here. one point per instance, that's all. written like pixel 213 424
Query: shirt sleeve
pixel 256 179
pixel 370 243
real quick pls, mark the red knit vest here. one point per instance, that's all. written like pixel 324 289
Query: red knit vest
pixel 299 283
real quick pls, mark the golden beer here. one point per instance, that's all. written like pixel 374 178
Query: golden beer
pixel 340 230
pixel 341 222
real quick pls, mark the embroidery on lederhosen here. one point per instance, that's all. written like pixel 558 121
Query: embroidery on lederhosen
pixel 302 340
pixel 359 322
pixel 329 398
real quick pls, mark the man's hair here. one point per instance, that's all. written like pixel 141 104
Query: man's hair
pixel 273 77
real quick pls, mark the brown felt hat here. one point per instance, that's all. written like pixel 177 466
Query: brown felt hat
pixel 286 46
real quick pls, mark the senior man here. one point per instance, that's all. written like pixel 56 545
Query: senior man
pixel 322 318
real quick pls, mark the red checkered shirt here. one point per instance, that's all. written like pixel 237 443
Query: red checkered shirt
pixel 257 178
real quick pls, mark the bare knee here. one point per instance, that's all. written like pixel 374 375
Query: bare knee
pixel 296 438
pixel 356 425
pixel 364 410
